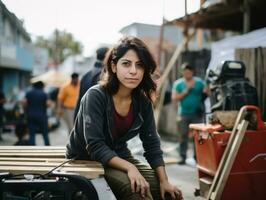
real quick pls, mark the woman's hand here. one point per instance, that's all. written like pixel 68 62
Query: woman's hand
pixel 166 187
pixel 138 182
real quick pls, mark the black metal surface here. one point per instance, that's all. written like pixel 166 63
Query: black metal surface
pixel 57 186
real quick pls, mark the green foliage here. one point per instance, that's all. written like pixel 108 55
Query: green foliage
pixel 60 45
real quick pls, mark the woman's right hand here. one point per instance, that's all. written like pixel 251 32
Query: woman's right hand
pixel 138 182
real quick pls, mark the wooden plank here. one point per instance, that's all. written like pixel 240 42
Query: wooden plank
pixel 161 87
pixel 33 154
pixel 42 159
pixel 33 151
pixel 47 168
pixel 32 159
pixel 87 172
pixel 230 161
pixel 50 164
pixel 46 160
pixel 240 117
pixel 172 61
pixel 33 147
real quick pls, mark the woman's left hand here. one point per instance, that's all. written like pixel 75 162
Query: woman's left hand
pixel 166 187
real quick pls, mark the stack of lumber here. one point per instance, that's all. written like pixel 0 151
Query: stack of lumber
pixel 42 159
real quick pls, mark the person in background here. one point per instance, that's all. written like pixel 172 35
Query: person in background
pixel 67 99
pixel 187 91
pixel 2 101
pixel 115 111
pixel 36 102
pixel 92 77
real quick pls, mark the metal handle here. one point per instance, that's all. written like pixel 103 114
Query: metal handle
pixel 260 123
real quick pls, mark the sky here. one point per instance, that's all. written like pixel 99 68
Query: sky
pixel 93 22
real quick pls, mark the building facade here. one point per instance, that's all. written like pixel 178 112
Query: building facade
pixel 16 53
pixel 150 34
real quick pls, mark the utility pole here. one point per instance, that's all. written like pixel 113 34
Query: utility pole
pixel 185 32
pixel 160 43
pixel 199 30
pixel 246 17
pixel 57 51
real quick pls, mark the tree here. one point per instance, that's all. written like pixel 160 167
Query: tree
pixel 60 45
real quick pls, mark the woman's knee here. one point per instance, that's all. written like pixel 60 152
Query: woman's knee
pixel 120 185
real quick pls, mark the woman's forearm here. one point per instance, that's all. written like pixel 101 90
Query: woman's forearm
pixel 121 164
pixel 161 173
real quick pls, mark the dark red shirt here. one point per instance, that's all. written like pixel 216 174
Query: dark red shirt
pixel 122 123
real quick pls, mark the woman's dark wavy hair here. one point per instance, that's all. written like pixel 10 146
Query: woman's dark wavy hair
pixel 109 79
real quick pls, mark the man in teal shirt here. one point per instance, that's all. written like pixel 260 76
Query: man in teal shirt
pixel 187 91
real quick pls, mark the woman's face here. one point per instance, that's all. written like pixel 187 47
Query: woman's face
pixel 129 70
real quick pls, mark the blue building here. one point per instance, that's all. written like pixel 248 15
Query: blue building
pixel 16 52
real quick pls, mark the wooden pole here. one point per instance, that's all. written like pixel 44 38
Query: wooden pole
pixel 161 88
pixel 246 17
pixel 200 31
pixel 228 157
pixel 172 61
pixel 185 32
pixel 160 48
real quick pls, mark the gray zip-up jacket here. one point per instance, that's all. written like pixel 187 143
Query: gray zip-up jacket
pixel 91 138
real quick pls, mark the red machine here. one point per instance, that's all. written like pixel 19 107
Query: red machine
pixel 247 178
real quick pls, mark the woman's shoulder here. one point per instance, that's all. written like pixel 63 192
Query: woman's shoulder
pixel 101 90
pixel 95 92
pixel 143 101
pixel 98 88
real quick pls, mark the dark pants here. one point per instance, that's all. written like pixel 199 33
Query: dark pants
pixel 38 124
pixel 183 130
pixel 120 184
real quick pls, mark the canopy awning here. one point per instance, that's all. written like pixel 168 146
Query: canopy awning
pixel 226 15
pixel 52 78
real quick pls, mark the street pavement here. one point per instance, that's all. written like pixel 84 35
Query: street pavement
pixel 184 176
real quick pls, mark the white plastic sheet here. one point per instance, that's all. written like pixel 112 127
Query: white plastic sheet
pixel 225 49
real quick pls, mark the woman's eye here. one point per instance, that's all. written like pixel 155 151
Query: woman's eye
pixel 140 65
pixel 125 63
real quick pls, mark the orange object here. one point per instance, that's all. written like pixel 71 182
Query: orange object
pixel 247 178
pixel 68 95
